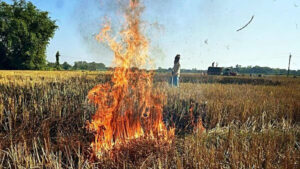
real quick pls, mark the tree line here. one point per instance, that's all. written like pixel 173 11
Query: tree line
pixel 80 65
pixel 240 70
pixel 263 70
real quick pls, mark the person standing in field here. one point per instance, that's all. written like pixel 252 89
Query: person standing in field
pixel 176 71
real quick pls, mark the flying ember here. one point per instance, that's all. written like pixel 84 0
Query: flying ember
pixel 127 107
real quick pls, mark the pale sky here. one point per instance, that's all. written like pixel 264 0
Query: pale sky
pixel 202 31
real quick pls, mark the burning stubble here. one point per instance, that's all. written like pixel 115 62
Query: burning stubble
pixel 128 107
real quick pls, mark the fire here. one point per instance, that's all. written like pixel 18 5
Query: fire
pixel 128 107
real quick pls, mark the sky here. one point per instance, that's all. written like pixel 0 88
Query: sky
pixel 201 31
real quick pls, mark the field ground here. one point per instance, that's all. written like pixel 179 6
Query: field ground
pixel 250 122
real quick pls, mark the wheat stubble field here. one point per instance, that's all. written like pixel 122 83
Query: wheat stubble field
pixel 247 123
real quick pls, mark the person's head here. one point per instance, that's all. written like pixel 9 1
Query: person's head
pixel 177 58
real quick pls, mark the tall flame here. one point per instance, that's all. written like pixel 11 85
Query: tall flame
pixel 128 107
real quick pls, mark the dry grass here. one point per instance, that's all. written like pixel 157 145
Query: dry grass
pixel 250 123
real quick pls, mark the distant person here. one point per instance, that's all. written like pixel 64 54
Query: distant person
pixel 176 71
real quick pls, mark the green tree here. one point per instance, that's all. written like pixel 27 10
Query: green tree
pixel 57 60
pixel 66 66
pixel 25 32
pixel 83 65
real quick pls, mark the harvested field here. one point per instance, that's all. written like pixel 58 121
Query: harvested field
pixel 249 123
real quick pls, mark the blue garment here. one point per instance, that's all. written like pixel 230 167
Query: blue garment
pixel 175 80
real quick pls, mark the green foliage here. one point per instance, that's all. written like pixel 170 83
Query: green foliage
pixel 57 57
pixel 25 32
pixel 263 70
pixel 82 65
pixel 66 66
pixel 58 67
pixel 51 66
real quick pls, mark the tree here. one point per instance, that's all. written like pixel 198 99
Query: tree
pixel 57 60
pixel 51 66
pixel 25 32
pixel 66 66
pixel 83 65
pixel 263 70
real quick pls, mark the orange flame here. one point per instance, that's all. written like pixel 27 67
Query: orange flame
pixel 128 107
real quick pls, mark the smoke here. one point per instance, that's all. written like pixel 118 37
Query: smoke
pixel 91 15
